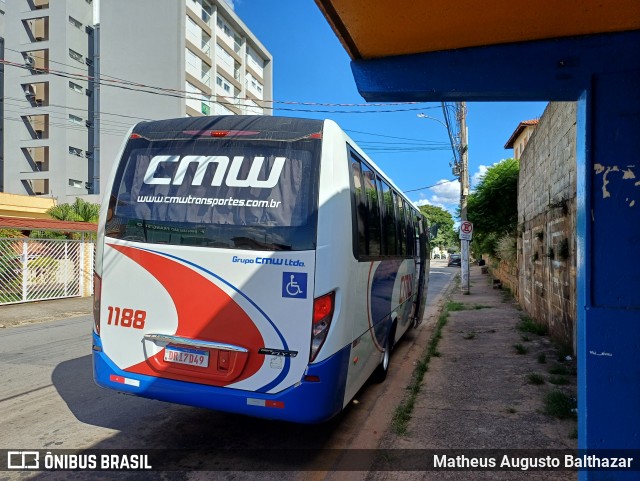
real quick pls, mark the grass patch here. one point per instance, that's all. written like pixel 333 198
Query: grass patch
pixel 477 307
pixel 529 325
pixel 525 338
pixel 520 349
pixel 535 378
pixel 560 405
pixel 542 358
pixel 455 306
pixel 402 414
pixel 558 380
pixel 559 370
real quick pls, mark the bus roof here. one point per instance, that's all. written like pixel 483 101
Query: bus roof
pixel 243 126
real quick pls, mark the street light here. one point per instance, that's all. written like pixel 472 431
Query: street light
pixel 425 116
pixel 452 140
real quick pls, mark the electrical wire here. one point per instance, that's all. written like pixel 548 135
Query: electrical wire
pixel 430 186
pixel 107 80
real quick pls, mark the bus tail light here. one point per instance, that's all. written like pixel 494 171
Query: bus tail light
pixel 322 315
pixel 97 291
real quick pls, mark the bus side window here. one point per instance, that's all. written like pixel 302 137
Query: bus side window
pixel 401 227
pixel 407 229
pixel 373 219
pixel 389 221
pixel 361 208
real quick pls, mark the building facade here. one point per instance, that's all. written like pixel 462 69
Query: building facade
pixel 200 53
pixel 82 72
pixel 45 126
pixel 520 137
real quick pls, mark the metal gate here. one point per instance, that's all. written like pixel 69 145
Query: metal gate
pixel 38 269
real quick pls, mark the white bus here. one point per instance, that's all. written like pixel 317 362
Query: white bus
pixel 250 264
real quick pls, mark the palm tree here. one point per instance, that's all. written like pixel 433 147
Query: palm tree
pixel 79 211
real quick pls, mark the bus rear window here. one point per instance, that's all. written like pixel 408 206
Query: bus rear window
pixel 217 193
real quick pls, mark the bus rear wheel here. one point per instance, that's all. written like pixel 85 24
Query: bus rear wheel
pixel 380 374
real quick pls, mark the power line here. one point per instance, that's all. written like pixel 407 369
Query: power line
pixel 429 186
pixel 108 80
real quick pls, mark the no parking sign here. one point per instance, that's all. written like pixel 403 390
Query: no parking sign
pixel 466 230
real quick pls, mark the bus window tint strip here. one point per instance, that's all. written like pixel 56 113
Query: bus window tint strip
pixel 385 223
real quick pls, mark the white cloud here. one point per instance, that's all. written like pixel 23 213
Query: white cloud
pixel 475 178
pixel 447 193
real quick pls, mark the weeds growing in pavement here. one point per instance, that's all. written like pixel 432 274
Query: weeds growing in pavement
pixel 560 405
pixel 403 412
pixel 535 378
pixel 529 325
pixel 520 349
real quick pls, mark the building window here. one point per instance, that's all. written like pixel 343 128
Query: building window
pixel 74 119
pixel 223 83
pixel 75 87
pixel 76 56
pixel 78 184
pixel 75 151
pixel 75 22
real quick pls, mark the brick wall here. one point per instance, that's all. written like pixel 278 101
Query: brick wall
pixel 507 273
pixel 547 223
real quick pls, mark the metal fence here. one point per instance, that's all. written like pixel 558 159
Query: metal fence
pixel 38 269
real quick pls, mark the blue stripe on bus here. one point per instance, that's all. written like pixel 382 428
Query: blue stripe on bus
pixel 287 361
pixel 307 402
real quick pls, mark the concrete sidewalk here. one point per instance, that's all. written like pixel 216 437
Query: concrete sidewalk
pixel 29 312
pixel 477 394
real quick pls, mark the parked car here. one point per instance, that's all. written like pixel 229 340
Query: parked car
pixel 454 260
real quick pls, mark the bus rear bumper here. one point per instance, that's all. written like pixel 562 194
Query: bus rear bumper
pixel 305 402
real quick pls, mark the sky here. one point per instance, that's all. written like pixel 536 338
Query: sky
pixel 310 65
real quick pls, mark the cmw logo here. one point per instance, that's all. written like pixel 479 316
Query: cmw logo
pixel 222 168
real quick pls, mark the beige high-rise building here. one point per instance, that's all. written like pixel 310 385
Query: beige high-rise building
pixel 85 71
pixel 200 51
pixel 46 148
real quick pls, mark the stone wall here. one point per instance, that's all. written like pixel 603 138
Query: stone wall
pixel 547 223
pixel 507 273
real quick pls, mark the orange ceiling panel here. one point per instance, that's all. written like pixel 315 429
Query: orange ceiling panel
pixel 376 28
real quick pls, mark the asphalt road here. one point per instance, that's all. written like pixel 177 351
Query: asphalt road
pixel 48 400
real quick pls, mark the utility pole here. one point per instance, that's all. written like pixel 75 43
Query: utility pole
pixel 464 191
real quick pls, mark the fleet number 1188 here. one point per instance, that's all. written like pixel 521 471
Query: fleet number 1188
pixel 126 317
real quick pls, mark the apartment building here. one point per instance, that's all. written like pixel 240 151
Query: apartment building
pixel 2 10
pixel 82 72
pixel 200 52
pixel 46 148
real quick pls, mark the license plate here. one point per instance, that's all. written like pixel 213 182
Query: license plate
pixel 191 357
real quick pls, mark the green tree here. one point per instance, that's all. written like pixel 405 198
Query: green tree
pixel 79 211
pixel 493 206
pixel 446 237
pixel 10 233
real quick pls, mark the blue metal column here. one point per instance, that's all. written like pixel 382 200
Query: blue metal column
pixel 602 73
pixel 609 266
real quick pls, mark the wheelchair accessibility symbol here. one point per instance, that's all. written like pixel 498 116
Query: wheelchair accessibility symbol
pixel 294 284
